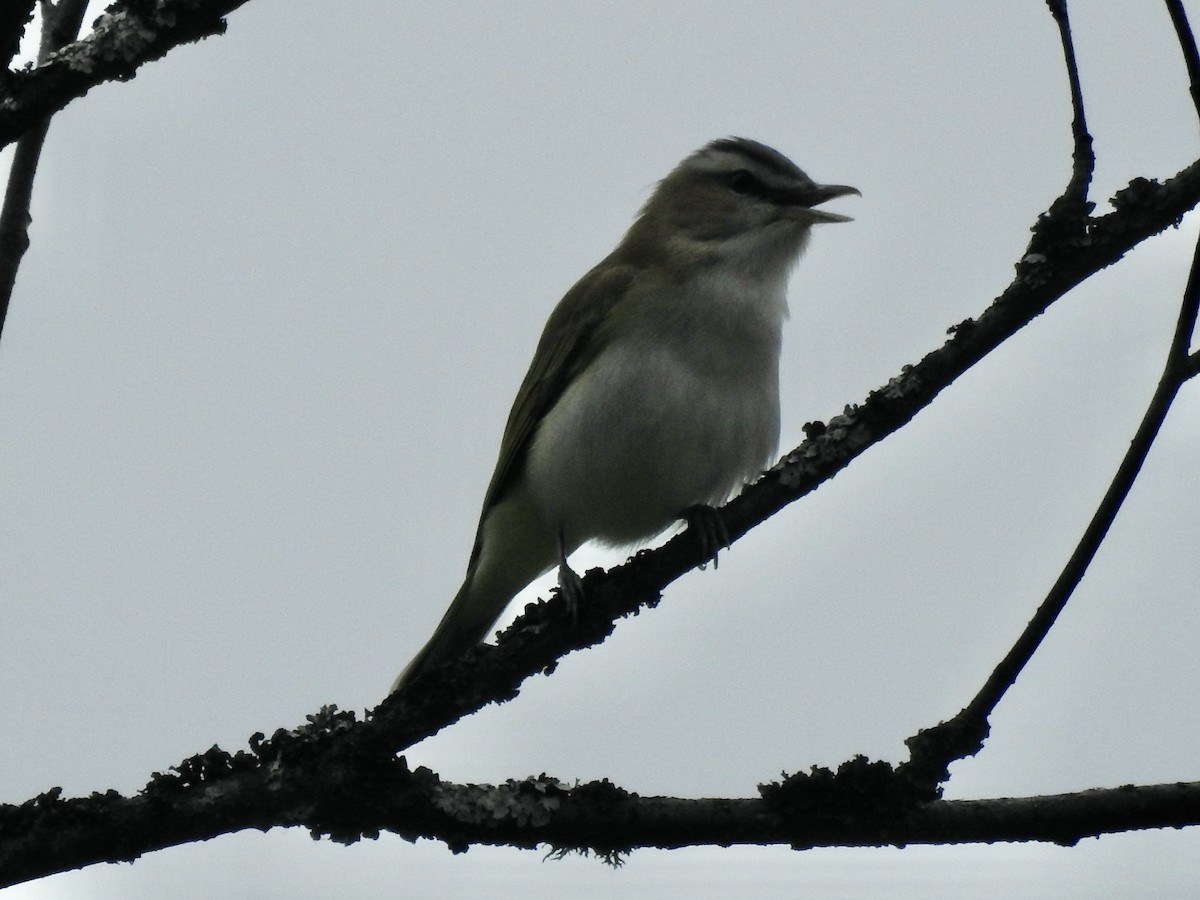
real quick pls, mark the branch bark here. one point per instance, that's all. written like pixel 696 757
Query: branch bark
pixel 60 26
pixel 128 35
pixel 345 800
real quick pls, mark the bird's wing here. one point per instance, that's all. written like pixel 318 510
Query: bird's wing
pixel 570 341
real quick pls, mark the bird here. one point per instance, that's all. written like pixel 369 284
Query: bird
pixel 653 393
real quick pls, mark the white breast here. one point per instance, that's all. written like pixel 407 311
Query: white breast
pixel 682 410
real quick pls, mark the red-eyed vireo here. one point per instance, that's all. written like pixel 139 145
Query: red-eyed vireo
pixel 655 385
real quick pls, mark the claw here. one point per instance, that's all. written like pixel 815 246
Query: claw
pixel 570 585
pixel 710 530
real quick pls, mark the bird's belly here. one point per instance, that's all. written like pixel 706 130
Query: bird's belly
pixel 641 436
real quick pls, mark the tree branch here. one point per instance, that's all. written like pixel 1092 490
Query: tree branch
pixel 294 780
pixel 60 26
pixel 1187 45
pixel 128 35
pixel 932 750
pixel 1083 160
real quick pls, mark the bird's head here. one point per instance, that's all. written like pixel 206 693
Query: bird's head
pixel 735 199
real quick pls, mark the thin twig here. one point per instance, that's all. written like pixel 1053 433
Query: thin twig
pixel 1187 44
pixel 933 749
pixel 1083 159
pixel 15 218
pixel 60 26
pixel 1191 57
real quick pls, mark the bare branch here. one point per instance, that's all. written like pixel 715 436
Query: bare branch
pixel 1187 45
pixel 306 779
pixel 1083 160
pixel 60 26
pixel 935 748
pixel 1185 332
pixel 128 35
pixel 15 218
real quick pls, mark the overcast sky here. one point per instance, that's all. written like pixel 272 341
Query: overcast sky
pixel 283 287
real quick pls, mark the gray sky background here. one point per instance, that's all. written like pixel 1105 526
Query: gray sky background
pixel 283 287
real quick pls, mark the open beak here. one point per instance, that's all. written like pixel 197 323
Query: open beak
pixel 819 193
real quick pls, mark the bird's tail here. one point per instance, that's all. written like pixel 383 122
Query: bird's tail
pixel 465 624
pixel 513 547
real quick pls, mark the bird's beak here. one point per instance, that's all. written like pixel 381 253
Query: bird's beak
pixel 819 193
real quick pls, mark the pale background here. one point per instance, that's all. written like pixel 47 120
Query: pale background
pixel 283 287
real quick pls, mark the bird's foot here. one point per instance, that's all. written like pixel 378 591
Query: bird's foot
pixel 710 529
pixel 570 586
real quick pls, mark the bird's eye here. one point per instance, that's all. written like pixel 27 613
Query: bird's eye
pixel 742 182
